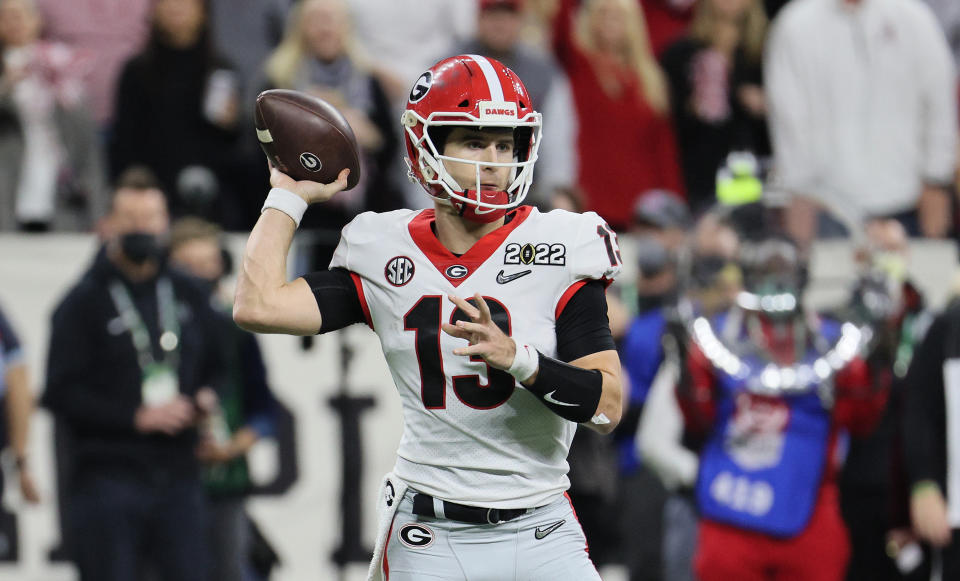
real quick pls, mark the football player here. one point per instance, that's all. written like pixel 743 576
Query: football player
pixel 492 319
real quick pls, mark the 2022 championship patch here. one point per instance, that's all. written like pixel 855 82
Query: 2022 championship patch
pixel 535 253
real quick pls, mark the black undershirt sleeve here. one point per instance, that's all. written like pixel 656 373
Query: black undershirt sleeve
pixel 583 327
pixel 336 297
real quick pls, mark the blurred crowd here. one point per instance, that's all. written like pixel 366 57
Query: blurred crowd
pixel 852 102
pixel 133 119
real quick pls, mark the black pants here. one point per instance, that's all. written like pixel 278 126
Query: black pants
pixel 948 559
pixel 640 515
pixel 951 558
pixel 121 525
pixel 865 514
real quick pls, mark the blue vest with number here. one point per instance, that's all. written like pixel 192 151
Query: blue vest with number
pixel 761 468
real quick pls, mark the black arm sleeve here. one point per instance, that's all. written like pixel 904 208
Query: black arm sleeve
pixel 336 297
pixel 583 327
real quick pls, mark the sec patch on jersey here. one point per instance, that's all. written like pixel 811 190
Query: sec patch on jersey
pixel 305 137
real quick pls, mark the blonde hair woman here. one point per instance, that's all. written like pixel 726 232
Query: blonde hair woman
pixel 617 30
pixel 319 55
pixel 731 24
pixel 625 141
pixel 716 91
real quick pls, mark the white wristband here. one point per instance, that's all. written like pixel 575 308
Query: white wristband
pixel 287 202
pixel 526 361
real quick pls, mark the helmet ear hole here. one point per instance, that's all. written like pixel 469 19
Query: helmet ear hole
pixel 465 104
pixel 521 138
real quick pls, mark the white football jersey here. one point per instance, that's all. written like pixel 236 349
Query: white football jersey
pixel 472 434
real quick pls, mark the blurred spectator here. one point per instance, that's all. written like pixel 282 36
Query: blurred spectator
pixel 900 321
pixel 667 450
pixel 667 21
pixel 661 442
pixel 659 221
pixel 245 32
pixel 863 112
pixel 18 404
pixel 318 56
pixel 625 141
pixel 177 108
pixel 51 171
pixel 716 91
pixel 662 215
pixel 766 487
pixel 948 13
pixel 131 346
pixel 641 495
pixel 110 31
pixel 244 412
pixel 930 439
pixel 499 27
pixel 593 493
pixel 403 41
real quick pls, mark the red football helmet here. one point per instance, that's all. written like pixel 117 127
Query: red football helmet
pixel 474 91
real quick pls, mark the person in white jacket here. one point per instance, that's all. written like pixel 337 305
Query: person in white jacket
pixel 863 112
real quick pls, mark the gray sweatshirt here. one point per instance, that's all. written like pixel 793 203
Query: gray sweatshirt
pixel 863 103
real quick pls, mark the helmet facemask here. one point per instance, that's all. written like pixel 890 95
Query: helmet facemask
pixel 427 137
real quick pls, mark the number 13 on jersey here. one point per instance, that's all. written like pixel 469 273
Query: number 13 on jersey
pixel 424 319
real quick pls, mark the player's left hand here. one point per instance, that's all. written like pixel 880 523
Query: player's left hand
pixel 486 339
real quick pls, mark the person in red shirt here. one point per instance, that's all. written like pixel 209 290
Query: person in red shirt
pixel 625 142
pixel 667 21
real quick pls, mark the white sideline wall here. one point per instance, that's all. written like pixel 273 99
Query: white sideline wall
pixel 304 524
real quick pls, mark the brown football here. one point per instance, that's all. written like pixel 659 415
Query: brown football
pixel 306 137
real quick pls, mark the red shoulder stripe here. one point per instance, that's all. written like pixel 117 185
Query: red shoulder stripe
pixel 357 282
pixel 566 296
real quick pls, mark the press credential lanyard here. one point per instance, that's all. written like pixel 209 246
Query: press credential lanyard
pixel 169 325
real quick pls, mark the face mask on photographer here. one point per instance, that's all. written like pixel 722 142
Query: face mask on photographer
pixel 141 247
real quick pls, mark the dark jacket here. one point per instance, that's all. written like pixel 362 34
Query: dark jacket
pixel 94 377
pixel 925 420
pixel 160 122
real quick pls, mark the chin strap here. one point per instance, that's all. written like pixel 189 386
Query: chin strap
pixel 476 213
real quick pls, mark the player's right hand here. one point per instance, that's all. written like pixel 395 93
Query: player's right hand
pixel 484 337
pixel 311 192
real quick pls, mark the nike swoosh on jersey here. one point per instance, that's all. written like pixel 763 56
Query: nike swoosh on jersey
pixel 541 532
pixel 505 278
pixel 549 398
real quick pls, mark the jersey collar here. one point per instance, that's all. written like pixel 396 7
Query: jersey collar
pixel 445 261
